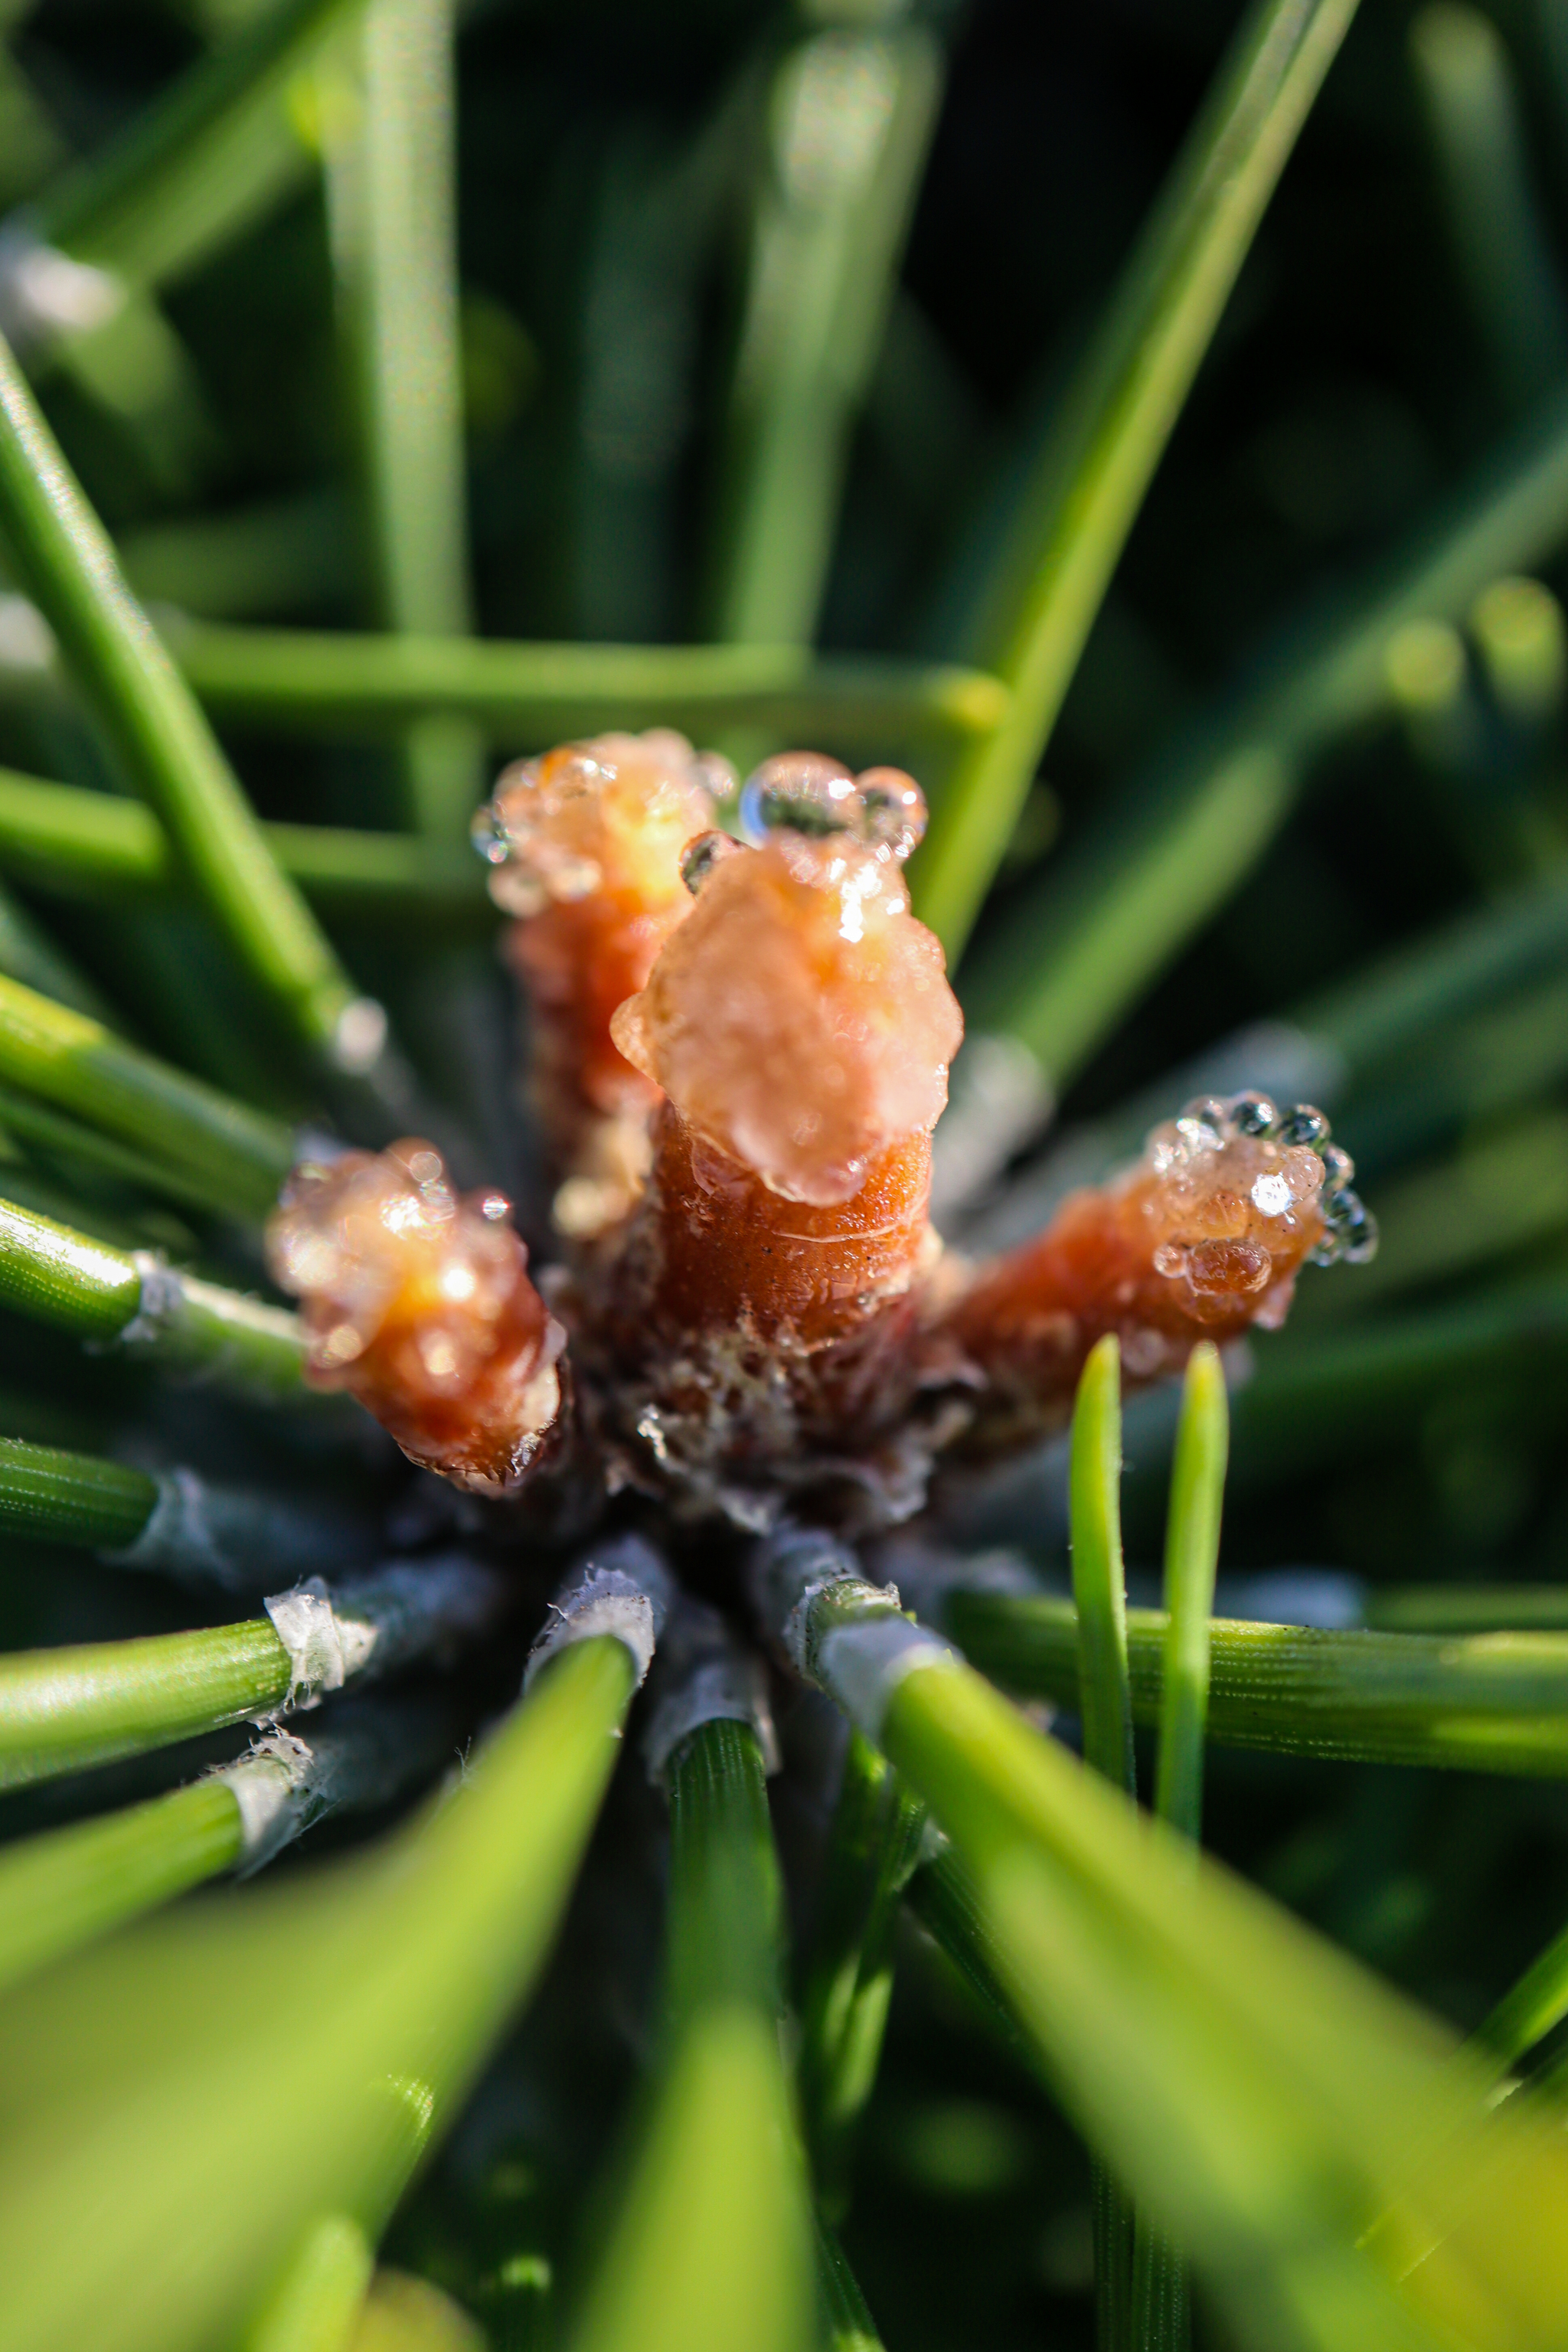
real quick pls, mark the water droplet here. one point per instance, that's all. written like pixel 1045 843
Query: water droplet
pixel 699 857
pixel 1204 1123
pixel 716 774
pixel 892 811
pixel 1338 1167
pixel 1253 1114
pixel 795 792
pixel 1358 1239
pixel 806 791
pixel 489 834
pixel 1305 1124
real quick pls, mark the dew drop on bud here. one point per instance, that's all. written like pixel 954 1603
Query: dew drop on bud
pixel 699 857
pixel 1254 1115
pixel 1304 1125
pixel 796 791
pixel 488 835
pixel 892 811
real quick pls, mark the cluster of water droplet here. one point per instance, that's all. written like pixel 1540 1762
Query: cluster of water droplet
pixel 416 1299
pixel 815 798
pixel 1209 1122
pixel 807 791
pixel 610 813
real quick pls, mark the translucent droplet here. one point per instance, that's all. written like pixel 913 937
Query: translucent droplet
pixel 1358 1238
pixel 699 857
pixel 1272 1194
pixel 1338 1167
pixel 489 834
pixel 1205 1122
pixel 892 811
pixel 1171 1259
pixel 1304 1125
pixel 796 791
pixel 716 774
pixel 1253 1114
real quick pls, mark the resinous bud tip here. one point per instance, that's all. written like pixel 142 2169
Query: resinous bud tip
pixel 609 814
pixel 800 1017
pixel 809 792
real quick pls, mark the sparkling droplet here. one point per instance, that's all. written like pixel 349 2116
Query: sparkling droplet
pixel 795 792
pixel 1304 1125
pixel 1253 1114
pixel 1204 1123
pixel 1358 1238
pixel 489 834
pixel 807 792
pixel 892 811
pixel 1272 1194
pixel 699 857
pixel 717 774
pixel 1338 1167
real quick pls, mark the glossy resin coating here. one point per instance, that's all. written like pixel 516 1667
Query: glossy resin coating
pixel 800 1020
pixel 584 848
pixel 417 1301
pixel 1202 1238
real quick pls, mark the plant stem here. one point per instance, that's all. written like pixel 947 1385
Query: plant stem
pixel 872 1847
pixel 1132 892
pixel 1114 421
pixel 232 1157
pixel 65 1889
pixel 846 120
pixel 65 1709
pixel 1159 1997
pixel 197 167
pixel 419 1959
pixel 1162 2319
pixel 157 731
pixel 1501 240
pixel 175 1523
pixel 1192 1560
pixel 726 1900
pixel 1099 1584
pixel 944 1902
pixel 75 1499
pixel 1491 1702
pixel 712 2245
pixel 1528 2009
pixel 316 2305
pixel 847 2321
pixel 1106 1706
pixel 100 844
pixel 50 1136
pixel 525 693
pixel 391 171
pixel 172 1319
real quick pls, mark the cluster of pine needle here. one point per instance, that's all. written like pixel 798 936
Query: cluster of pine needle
pixel 1150 427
